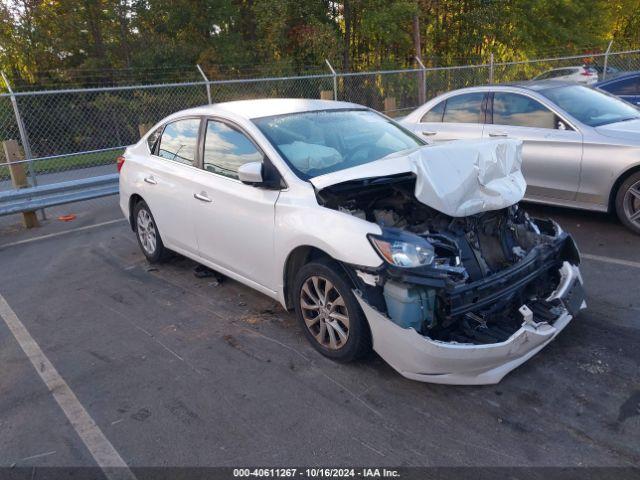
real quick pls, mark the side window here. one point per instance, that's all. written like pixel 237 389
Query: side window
pixel 521 111
pixel 466 108
pixel 628 86
pixel 179 141
pixel 435 114
pixel 226 148
pixel 153 138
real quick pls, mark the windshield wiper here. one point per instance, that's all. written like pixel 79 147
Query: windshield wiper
pixel 615 121
pixel 627 119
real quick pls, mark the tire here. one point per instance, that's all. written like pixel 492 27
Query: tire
pixel 628 203
pixel 334 324
pixel 147 233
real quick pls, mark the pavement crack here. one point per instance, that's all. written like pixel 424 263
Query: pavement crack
pixel 146 332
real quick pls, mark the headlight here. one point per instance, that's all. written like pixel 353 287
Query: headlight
pixel 403 249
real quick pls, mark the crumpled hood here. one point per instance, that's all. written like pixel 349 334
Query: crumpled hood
pixel 459 178
pixel 629 130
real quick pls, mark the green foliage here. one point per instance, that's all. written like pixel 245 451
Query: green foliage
pixel 89 42
pixel 72 162
pixel 85 43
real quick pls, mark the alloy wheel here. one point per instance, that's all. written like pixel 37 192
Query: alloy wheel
pixel 631 204
pixel 146 231
pixel 324 312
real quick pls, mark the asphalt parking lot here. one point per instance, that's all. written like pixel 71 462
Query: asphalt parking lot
pixel 179 371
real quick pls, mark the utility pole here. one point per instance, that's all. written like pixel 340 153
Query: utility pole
pixel 346 54
pixel 422 94
pixel 606 60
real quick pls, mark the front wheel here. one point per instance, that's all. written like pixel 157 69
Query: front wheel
pixel 628 203
pixel 329 313
pixel 148 235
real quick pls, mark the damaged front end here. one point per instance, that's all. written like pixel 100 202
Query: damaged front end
pixel 458 299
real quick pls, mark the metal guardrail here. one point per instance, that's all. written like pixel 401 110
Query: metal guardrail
pixel 44 196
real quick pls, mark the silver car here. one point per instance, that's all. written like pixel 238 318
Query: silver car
pixel 583 74
pixel 581 146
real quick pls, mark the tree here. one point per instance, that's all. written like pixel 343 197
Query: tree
pixel 91 41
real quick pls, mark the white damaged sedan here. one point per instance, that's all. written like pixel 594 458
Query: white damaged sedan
pixel 375 239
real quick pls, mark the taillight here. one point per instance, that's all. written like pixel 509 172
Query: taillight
pixel 119 162
pixel 587 73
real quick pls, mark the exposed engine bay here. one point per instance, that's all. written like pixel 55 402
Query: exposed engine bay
pixel 472 279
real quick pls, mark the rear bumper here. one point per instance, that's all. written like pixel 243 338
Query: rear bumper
pixel 420 358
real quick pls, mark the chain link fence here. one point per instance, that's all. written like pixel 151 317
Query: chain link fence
pixel 615 63
pixel 78 133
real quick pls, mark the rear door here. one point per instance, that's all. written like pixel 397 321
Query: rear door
pixel 235 222
pixel 168 181
pixel 455 118
pixel 552 149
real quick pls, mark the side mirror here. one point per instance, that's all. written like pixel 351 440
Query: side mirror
pixel 250 173
pixel 560 125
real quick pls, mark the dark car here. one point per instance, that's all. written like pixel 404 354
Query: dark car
pixel 625 86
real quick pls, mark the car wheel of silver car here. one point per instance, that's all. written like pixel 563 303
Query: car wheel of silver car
pixel 329 313
pixel 628 202
pixel 147 233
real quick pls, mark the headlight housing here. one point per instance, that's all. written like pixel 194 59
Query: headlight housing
pixel 403 249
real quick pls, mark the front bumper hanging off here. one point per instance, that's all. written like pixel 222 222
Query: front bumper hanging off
pixel 421 358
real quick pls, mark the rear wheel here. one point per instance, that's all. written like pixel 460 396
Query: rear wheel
pixel 329 313
pixel 148 235
pixel 628 203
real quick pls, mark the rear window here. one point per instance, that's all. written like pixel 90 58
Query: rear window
pixel 466 108
pixel 435 114
pixel 153 138
pixel 179 141
pixel 557 73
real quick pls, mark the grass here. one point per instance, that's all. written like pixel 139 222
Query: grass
pixel 64 164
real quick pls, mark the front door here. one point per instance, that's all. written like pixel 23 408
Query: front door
pixel 551 151
pixel 234 221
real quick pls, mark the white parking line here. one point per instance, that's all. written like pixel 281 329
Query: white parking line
pixel 615 261
pixel 59 234
pixel 107 458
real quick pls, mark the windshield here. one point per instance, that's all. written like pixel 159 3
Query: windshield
pixel 561 72
pixel 590 106
pixel 315 143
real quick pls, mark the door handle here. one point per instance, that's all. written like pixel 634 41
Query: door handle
pixel 202 197
pixel 151 180
pixel 428 133
pixel 498 134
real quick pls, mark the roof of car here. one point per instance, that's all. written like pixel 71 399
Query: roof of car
pixel 267 107
pixel 539 85
pixel 535 85
pixel 565 68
